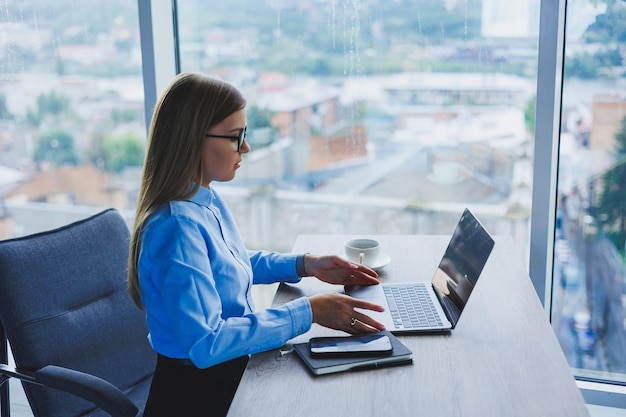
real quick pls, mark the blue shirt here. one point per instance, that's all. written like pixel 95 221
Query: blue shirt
pixel 195 276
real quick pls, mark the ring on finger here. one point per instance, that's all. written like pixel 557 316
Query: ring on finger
pixel 352 321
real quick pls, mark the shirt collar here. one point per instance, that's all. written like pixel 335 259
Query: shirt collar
pixel 204 196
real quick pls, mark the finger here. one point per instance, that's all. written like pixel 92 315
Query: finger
pixel 346 263
pixel 363 279
pixel 366 305
pixel 361 269
pixel 367 322
pixel 367 270
pixel 351 326
pixel 359 326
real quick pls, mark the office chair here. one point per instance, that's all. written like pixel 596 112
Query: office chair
pixel 78 341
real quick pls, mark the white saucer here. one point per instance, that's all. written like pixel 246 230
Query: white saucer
pixel 381 262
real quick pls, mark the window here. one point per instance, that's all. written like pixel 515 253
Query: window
pixel 72 126
pixel 365 117
pixel 576 259
pixel 373 117
pixel 588 281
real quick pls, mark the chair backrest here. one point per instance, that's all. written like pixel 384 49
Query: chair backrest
pixel 64 301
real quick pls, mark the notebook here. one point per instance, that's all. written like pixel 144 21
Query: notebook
pixel 400 355
pixel 434 306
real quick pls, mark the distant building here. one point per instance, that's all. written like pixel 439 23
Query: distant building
pixel 81 185
pixel 9 180
pixel 311 114
pixel 457 89
pixel 87 54
pixel 608 111
pixel 23 36
pixel 301 107
pixel 510 19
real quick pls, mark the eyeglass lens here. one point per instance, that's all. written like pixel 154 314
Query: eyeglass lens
pixel 242 137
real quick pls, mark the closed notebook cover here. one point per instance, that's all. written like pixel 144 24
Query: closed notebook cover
pixel 400 355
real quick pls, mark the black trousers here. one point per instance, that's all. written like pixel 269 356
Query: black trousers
pixel 180 389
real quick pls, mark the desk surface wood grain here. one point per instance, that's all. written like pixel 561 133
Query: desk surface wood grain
pixel 502 359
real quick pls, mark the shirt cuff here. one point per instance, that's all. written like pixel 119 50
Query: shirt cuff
pixel 301 315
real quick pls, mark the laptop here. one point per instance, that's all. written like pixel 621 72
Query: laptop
pixel 435 306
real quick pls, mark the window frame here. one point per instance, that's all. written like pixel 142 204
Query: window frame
pixel 552 25
pixel 157 22
pixel 547 132
pixel 159 51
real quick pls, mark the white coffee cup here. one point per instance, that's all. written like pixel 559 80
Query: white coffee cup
pixel 363 251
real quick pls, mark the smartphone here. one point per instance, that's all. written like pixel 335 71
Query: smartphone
pixel 356 345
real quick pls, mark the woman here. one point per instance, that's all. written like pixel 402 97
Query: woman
pixel 190 271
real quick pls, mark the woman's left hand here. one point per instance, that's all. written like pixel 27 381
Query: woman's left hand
pixel 337 270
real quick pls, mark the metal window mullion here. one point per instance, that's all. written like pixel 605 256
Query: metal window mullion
pixel 157 20
pixel 547 133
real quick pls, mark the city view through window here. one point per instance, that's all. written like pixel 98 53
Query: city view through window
pixel 374 117
pixel 588 278
pixel 364 117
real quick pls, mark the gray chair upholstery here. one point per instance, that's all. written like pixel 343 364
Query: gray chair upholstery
pixel 70 322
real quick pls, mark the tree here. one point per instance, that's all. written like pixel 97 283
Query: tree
pixel 610 210
pixel 529 115
pixel 260 130
pixel 258 118
pixel 119 152
pixel 609 27
pixel 123 116
pixel 56 147
pixel 53 104
pixel 4 111
pixel 583 66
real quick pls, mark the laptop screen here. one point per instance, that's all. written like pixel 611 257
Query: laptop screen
pixel 461 265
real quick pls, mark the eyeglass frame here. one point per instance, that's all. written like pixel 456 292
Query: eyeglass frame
pixel 240 138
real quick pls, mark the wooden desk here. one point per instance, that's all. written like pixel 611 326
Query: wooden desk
pixel 503 358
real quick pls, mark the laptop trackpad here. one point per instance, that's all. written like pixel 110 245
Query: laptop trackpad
pixel 373 294
pixel 383 318
pixel 368 292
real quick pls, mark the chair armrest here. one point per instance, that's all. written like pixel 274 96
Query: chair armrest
pixel 89 387
pixel 7 372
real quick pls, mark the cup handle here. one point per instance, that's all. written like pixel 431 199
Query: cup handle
pixel 361 256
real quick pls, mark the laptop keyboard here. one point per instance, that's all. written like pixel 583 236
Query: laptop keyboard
pixel 411 306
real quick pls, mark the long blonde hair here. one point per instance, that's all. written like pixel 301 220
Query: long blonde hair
pixel 188 107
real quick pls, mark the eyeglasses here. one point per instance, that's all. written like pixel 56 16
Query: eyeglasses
pixel 239 138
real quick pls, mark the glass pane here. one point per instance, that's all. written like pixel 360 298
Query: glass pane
pixel 588 278
pixel 374 116
pixel 72 128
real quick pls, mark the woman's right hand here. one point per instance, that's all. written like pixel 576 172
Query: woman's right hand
pixel 337 311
